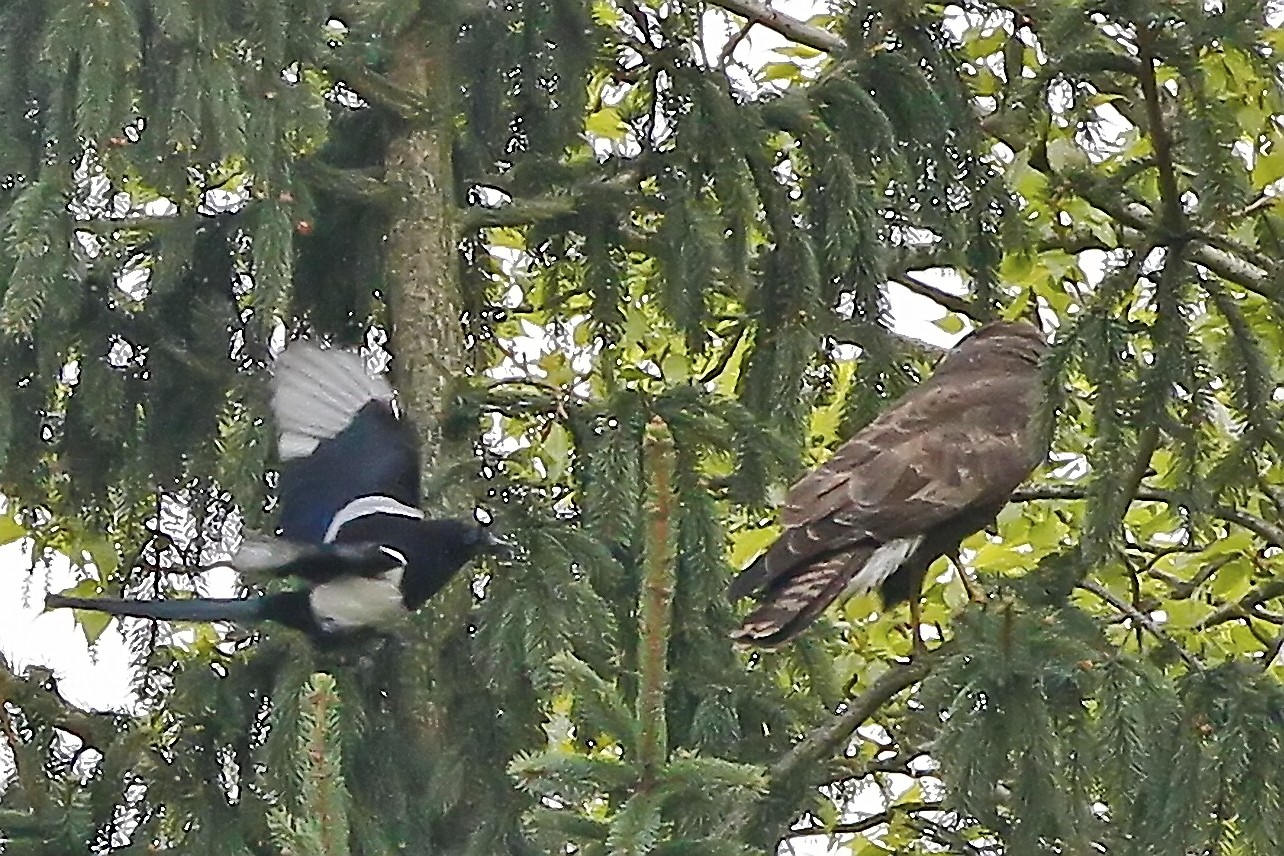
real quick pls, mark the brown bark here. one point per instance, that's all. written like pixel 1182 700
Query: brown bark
pixel 427 336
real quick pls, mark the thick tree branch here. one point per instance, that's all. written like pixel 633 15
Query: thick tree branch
pixel 1173 218
pixel 863 334
pixel 380 90
pixel 1268 532
pixel 828 737
pixel 789 27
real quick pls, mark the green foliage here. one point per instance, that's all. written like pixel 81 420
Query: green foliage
pixel 320 825
pixel 650 233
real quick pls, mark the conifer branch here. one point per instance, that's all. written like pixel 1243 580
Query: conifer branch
pixel 1258 386
pixel 321 826
pixel 656 608
pixel 43 701
pixel 789 27
pixel 1142 619
pixel 1268 532
pixel 824 739
pixel 524 211
pixel 355 184
pixel 520 212
pixel 110 225
pixel 377 89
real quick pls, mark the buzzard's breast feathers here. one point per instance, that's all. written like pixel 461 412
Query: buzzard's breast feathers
pixel 894 497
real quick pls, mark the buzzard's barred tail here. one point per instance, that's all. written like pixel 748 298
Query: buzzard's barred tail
pixel 789 609
pixel 195 609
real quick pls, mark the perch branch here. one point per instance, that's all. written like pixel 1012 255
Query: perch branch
pixel 1268 532
pixel 789 27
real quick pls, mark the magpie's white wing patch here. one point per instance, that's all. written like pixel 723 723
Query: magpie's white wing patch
pixel 259 553
pixel 316 393
pixel 365 506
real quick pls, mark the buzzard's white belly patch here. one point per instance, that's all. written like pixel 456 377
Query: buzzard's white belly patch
pixel 351 602
pixel 882 564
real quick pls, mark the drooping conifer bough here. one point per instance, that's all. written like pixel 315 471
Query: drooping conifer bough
pixel 350 525
pixel 935 468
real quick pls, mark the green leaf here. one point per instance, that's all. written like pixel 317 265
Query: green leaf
pixel 951 323
pixel 607 124
pixel 1269 167
pixel 780 71
pixel 556 451
pixel 11 530
pixel 91 623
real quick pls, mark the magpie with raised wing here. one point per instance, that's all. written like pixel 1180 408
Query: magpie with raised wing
pixel 350 524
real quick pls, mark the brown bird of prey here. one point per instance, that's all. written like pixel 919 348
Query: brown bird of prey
pixel 935 468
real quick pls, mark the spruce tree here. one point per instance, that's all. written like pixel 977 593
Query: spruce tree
pixel 634 278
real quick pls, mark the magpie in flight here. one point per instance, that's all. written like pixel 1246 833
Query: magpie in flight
pixel 351 528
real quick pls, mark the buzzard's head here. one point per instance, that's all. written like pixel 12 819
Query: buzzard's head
pixel 994 345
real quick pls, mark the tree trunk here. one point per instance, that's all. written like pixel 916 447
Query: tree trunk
pixel 427 335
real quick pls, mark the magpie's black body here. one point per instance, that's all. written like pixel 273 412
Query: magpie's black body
pixel 351 527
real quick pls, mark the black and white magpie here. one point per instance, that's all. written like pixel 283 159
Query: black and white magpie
pixel 350 522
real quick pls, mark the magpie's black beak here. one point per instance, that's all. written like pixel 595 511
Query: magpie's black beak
pixel 492 543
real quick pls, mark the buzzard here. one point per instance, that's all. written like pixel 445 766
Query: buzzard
pixel 935 468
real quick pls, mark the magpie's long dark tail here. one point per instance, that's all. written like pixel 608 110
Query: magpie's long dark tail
pixel 193 609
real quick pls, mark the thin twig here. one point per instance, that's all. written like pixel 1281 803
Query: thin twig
pixel 952 302
pixel 865 824
pixel 1243 607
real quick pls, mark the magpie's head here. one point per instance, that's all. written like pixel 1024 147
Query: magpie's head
pixel 470 539
pixel 487 541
